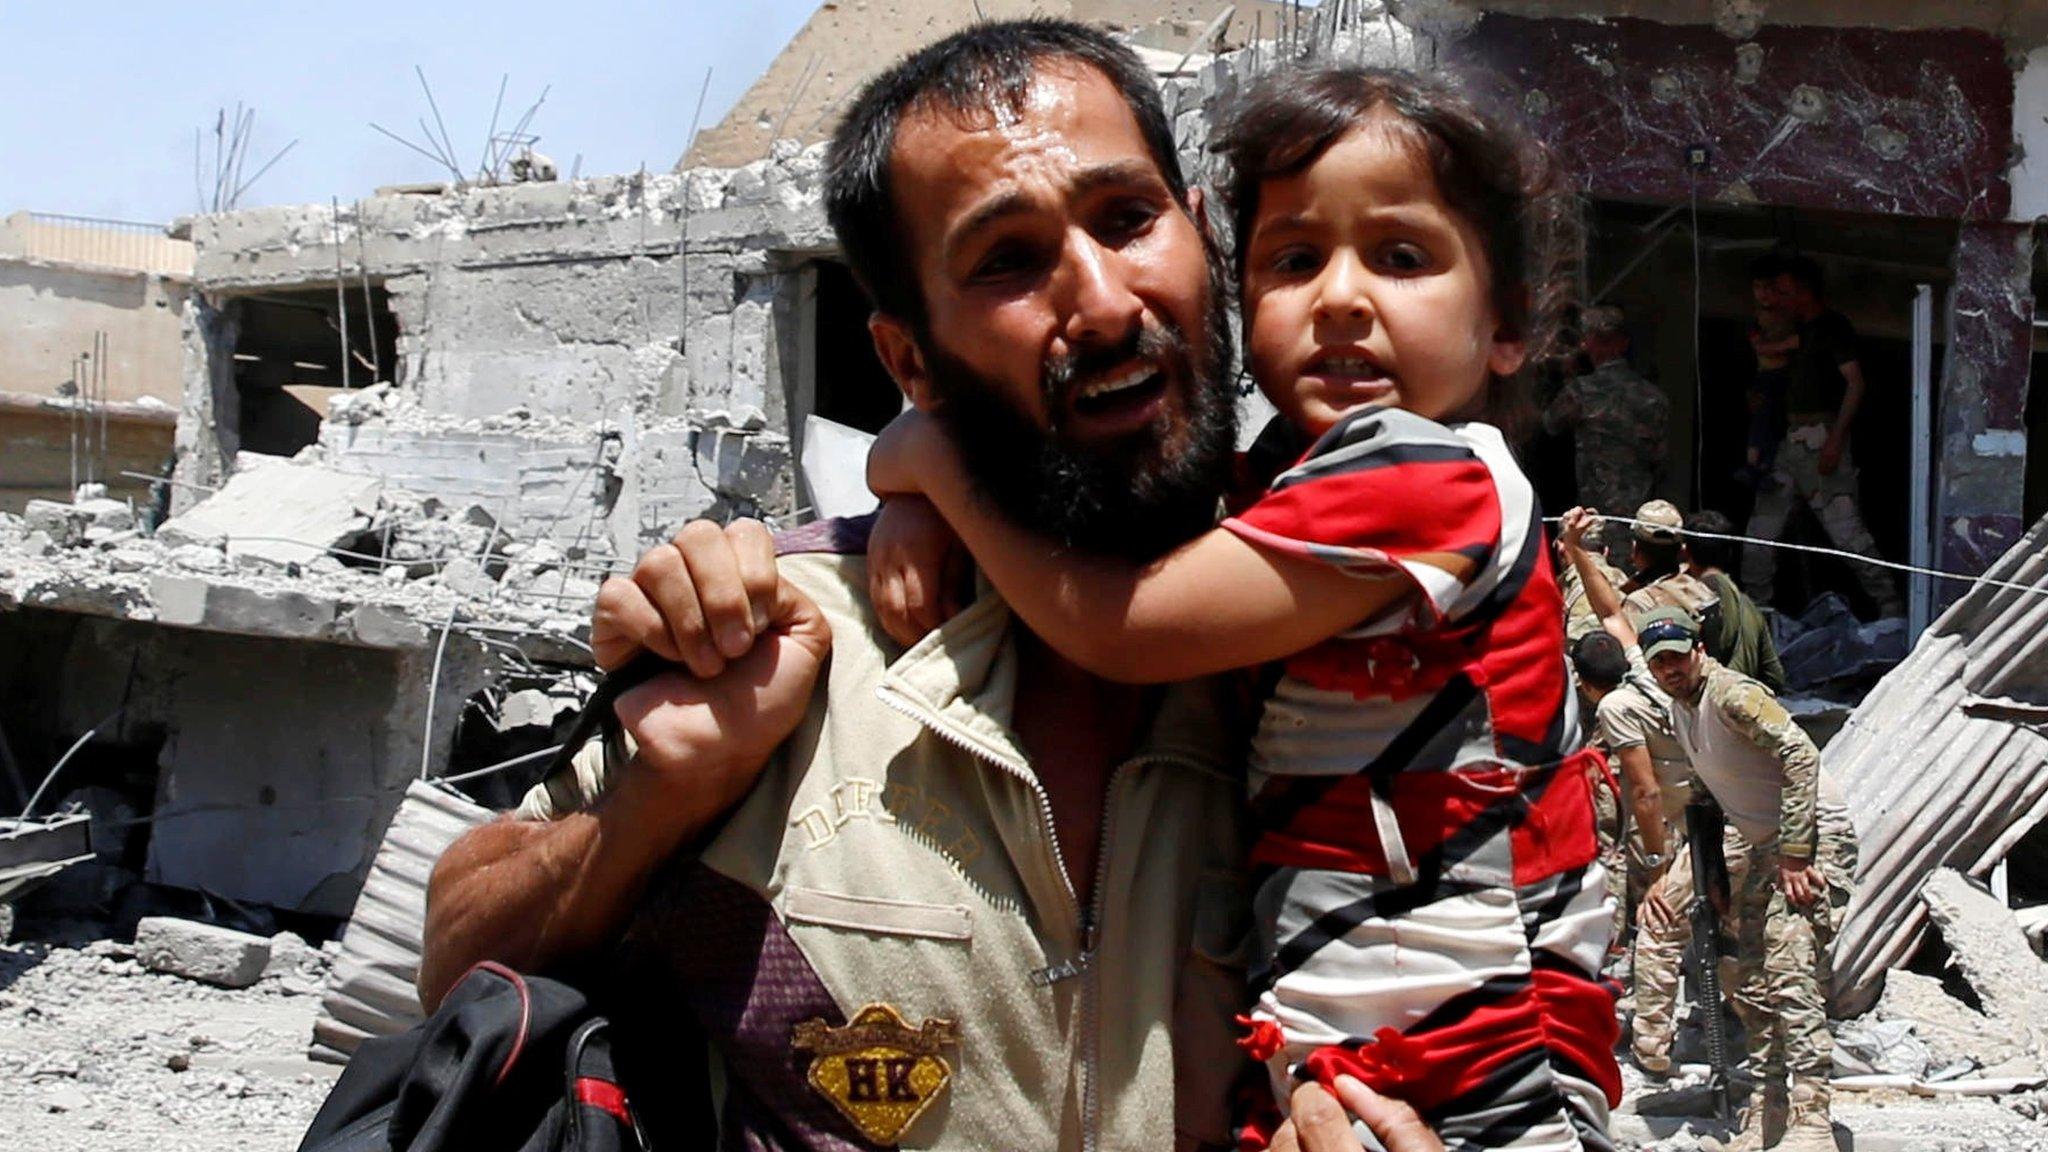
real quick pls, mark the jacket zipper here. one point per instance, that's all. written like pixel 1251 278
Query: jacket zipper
pixel 1090 918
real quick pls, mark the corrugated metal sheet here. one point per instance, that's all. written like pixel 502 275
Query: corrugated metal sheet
pixel 1945 764
pixel 370 987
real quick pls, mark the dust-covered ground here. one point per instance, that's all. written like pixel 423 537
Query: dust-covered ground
pixel 98 1055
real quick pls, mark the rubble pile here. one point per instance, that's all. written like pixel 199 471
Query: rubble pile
pixel 98 1053
pixel 293 548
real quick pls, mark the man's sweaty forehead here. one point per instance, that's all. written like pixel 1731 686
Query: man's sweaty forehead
pixel 961 170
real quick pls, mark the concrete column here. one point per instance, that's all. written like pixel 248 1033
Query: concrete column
pixel 210 421
pixel 1980 465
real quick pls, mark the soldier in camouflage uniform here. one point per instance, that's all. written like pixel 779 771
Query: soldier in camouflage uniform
pixel 1791 859
pixel 1632 721
pixel 1657 559
pixel 1618 420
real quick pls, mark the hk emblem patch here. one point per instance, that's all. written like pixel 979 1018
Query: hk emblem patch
pixel 878 1071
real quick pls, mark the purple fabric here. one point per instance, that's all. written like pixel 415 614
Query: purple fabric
pixel 843 536
pixel 723 953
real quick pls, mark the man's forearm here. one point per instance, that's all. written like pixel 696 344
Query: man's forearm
pixel 532 894
pixel 1852 401
pixel 1646 796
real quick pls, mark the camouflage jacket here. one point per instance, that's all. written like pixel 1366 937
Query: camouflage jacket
pixel 1619 416
pixel 1760 765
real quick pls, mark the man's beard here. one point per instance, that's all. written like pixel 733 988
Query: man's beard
pixel 1137 496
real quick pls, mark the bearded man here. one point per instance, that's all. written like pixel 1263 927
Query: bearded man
pixel 959 895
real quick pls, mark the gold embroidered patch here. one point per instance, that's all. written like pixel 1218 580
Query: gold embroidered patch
pixel 878 1071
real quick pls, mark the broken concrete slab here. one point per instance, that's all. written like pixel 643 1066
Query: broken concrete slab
pixel 195 602
pixel 1991 951
pixel 1951 1030
pixel 204 952
pixel 279 511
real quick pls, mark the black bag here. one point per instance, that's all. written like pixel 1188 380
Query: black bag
pixel 510 1063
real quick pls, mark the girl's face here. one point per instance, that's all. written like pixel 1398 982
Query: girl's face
pixel 1362 286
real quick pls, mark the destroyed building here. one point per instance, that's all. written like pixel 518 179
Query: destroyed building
pixel 417 428
pixel 87 305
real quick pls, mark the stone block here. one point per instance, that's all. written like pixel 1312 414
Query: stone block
pixel 288 953
pixel 62 523
pixel 204 952
pixel 114 515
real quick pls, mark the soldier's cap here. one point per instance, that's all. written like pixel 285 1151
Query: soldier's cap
pixel 1605 320
pixel 1667 629
pixel 1659 522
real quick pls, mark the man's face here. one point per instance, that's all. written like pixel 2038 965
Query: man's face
pixel 1765 292
pixel 1677 673
pixel 1073 340
pixel 1792 295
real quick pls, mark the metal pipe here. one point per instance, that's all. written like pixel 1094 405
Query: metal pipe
pixel 1919 517
pixel 66 759
pixel 340 282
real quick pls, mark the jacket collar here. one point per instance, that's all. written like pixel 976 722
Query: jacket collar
pixel 961 681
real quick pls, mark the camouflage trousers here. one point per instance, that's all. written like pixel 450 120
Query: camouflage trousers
pixel 1779 974
pixel 1833 500
pixel 1660 952
pixel 1607 828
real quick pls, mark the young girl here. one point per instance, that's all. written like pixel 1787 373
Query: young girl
pixel 1431 915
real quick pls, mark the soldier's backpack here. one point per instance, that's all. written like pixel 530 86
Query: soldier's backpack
pixel 509 1063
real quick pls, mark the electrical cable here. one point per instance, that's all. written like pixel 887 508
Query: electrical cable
pixel 1814 549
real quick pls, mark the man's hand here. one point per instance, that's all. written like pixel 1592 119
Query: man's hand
pixel 916 567
pixel 698 600
pixel 1654 913
pixel 1321 1122
pixel 1574 524
pixel 1800 881
pixel 1831 454
pixel 704 599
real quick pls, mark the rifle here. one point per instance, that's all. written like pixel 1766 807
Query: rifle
pixel 1709 889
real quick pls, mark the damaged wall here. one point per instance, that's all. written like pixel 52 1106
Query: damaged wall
pixel 561 364
pixel 281 761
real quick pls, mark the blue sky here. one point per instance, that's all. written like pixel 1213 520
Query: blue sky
pixel 98 101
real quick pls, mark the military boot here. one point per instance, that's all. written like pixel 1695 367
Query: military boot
pixel 1764 1117
pixel 1809 1128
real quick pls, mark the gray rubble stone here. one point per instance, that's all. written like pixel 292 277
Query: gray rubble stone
pixel 204 952
pixel 114 515
pixel 287 952
pixel 60 522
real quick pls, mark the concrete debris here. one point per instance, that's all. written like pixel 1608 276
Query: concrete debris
pixel 1991 952
pixel 278 512
pixel 1951 1032
pixel 2034 922
pixel 99 1055
pixel 203 952
pixel 290 957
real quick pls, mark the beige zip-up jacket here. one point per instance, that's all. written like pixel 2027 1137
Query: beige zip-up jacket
pixel 899 851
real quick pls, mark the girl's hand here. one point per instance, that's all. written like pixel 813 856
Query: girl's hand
pixel 904 454
pixel 916 568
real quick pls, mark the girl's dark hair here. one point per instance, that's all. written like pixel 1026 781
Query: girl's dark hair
pixel 1491 172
